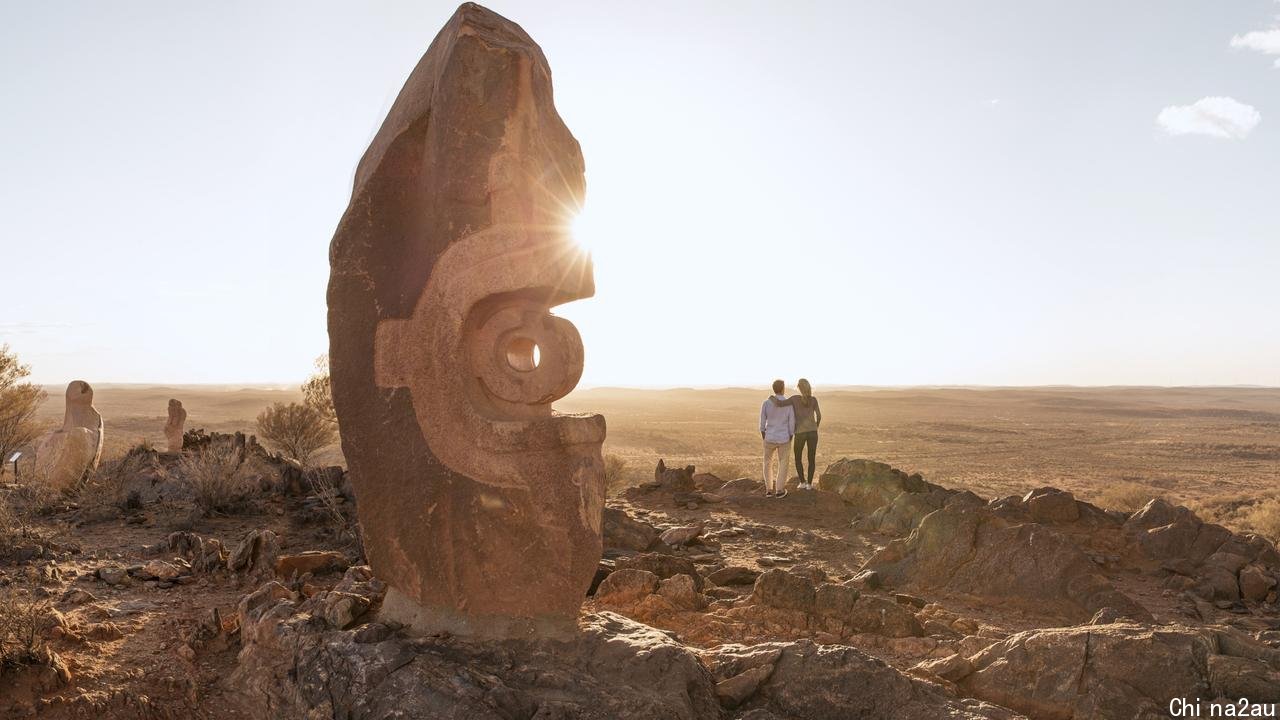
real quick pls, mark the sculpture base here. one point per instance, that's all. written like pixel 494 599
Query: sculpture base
pixel 419 620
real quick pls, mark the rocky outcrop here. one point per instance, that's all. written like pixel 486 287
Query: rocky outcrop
pixel 969 549
pixel 830 682
pixel 1116 672
pixel 867 484
pixel 1207 559
pixel 623 532
pixel 307 658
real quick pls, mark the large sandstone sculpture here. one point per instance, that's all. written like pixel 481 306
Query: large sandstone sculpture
pixel 480 506
pixel 173 428
pixel 64 456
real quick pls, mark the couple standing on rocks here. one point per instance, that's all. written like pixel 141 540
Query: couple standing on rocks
pixel 789 421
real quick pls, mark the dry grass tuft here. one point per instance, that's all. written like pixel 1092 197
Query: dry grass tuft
pixel 615 467
pixel 218 478
pixel 23 624
pixel 1264 519
pixel 1126 496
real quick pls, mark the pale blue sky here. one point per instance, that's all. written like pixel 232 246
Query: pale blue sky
pixel 860 192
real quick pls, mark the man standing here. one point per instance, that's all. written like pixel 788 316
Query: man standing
pixel 777 425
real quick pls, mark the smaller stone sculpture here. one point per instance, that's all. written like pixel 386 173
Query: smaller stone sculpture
pixel 173 428
pixel 65 456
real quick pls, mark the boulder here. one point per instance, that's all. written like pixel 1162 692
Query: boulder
pixel 674 479
pixel 315 562
pixel 627 533
pixel 780 589
pixel 971 550
pixel 681 592
pixel 664 566
pixel 1105 671
pixel 444 354
pixel 1237 677
pixel 881 616
pixel 67 455
pixel 734 575
pixel 867 485
pixel 683 535
pixel 626 586
pixel 1051 505
pixel 256 554
pixel 1255 582
pixel 834 682
pixel 292 666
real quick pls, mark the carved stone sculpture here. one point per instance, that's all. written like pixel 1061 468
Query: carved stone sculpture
pixel 480 506
pixel 174 427
pixel 66 455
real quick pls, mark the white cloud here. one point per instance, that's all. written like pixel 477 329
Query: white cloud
pixel 1264 41
pixel 1222 117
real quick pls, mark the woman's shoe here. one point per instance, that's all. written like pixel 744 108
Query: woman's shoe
pixel 781 493
pixel 768 493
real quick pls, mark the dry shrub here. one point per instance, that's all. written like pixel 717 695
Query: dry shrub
pixel 23 624
pixel 19 401
pixel 295 429
pixel 324 486
pixel 614 467
pixel 729 470
pixel 1264 519
pixel 218 477
pixel 1126 496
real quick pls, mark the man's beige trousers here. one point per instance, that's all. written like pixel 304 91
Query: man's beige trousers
pixel 778 478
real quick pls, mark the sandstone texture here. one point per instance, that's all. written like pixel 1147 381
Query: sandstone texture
pixel 480 505
pixel 173 427
pixel 65 456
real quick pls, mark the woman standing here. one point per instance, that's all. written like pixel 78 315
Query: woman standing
pixel 808 418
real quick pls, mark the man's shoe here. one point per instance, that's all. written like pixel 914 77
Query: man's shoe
pixel 768 493
pixel 781 493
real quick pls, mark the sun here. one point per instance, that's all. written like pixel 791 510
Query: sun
pixel 582 230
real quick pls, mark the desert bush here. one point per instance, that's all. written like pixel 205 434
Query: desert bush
pixel 217 477
pixel 614 468
pixel 296 430
pixel 1126 496
pixel 1264 519
pixel 729 470
pixel 317 393
pixel 19 401
pixel 23 624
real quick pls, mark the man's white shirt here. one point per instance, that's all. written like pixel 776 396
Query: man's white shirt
pixel 777 422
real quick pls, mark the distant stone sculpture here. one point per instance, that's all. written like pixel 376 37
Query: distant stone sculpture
pixel 65 456
pixel 480 506
pixel 173 428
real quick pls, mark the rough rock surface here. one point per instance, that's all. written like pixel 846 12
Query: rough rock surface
pixel 66 455
pixel 444 355
pixel 173 427
pixel 969 549
pixel 833 682
pixel 621 531
pixel 1118 671
pixel 297 662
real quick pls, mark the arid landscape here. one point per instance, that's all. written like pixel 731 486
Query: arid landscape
pixel 136 644
pixel 1214 449
pixel 1053 492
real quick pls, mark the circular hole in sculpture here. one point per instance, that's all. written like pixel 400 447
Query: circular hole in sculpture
pixel 523 355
